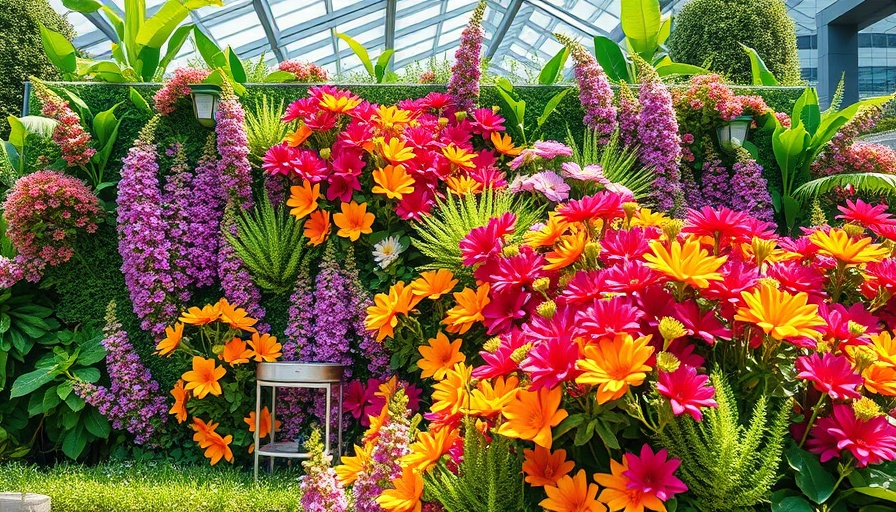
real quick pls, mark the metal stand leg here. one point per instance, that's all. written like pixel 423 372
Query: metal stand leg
pixel 328 419
pixel 339 420
pixel 257 421
pixel 273 421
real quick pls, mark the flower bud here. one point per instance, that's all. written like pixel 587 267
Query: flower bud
pixel 667 362
pixel 492 345
pixel 866 409
pixel 325 153
pixel 853 230
pixel 762 249
pixel 672 228
pixel 460 116
pixel 629 208
pixel 856 329
pixel 771 282
pixel 592 250
pixel 863 356
pixel 547 309
pixel 511 250
pixel 671 329
pixel 541 284
pixel 443 122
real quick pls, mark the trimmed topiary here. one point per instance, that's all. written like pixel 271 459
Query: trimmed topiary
pixel 707 33
pixel 21 51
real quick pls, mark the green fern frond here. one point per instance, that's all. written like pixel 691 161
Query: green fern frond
pixel 439 234
pixel 727 465
pixel 264 128
pixel 488 480
pixel 269 242
pixel 869 182
pixel 619 162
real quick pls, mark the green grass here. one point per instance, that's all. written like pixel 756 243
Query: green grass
pixel 153 487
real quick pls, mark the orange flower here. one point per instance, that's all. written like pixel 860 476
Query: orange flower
pixel 303 199
pixel 532 414
pixel 376 423
pixel 349 467
pixel 171 341
pixel 459 156
pixel 779 313
pixel 202 430
pixel 235 352
pixel 264 348
pixel 433 284
pixel 880 378
pixel 406 495
pixel 547 235
pixel 504 145
pixel 235 317
pixel 317 227
pixel 614 365
pixel 439 356
pixel 686 263
pixel 353 221
pixel 572 494
pixel 450 395
pixel 299 136
pixel 383 315
pixel 203 379
pixel 389 117
pixel 393 182
pixel 468 310
pixel 490 398
pixel 838 244
pixel 542 467
pixel 395 151
pixel 195 316
pixel 567 251
pixel 179 409
pixel 217 447
pixel 885 346
pixel 463 185
pixel 387 389
pixel 429 448
pixel 264 424
pixel 618 496
pixel 340 103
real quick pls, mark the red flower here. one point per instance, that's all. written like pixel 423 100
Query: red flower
pixel 278 160
pixel 300 109
pixel 416 204
pixel 831 374
pixel 866 215
pixel 506 309
pixel 342 186
pixel 486 240
pixel 308 165
pixel 838 320
pixel 486 121
pixel 687 392
pixel 515 272
pixel 608 317
pixel 625 245
pixel 602 205
pixel 723 224
pixel 322 121
pixel 702 325
pixel 653 474
pixel 883 274
pixel 585 286
pixel 794 277
pixel 550 362
pixel 436 100
pixel 358 396
pixel 499 363
pixel 870 441
pixel 629 277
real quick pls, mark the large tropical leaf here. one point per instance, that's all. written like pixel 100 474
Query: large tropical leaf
pixel 59 50
pixel 870 182
pixel 641 21
pixel 553 68
pixel 669 68
pixel 361 52
pixel 610 57
pixel 761 74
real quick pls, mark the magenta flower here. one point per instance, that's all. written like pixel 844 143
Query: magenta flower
pixel 687 391
pixel 831 374
pixel 551 362
pixel 484 241
pixel 499 363
pixel 463 86
pixel 870 441
pixel 550 149
pixel 653 474
pixel 595 93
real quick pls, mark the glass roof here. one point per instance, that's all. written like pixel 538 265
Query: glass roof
pixel 517 31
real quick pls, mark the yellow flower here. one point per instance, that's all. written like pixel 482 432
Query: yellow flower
pixel 353 221
pixel 463 185
pixel 880 378
pixel 779 313
pixel 203 379
pixel 382 316
pixel 389 117
pixel 459 156
pixel 885 346
pixel 686 263
pixel 196 316
pixel 393 182
pixel 264 348
pixel 395 151
pixel 614 365
pixel 339 104
pixel 490 398
pixel 548 235
pixel 450 395
pixel 235 317
pixel 838 244
pixel 645 218
pixel 217 447
pixel 264 423
pixel 433 284
pixel 347 471
pixel 298 137
pixel 567 251
pixel 532 414
pixel 439 356
pixel 173 336
pixel 303 199
pixel 504 145
pixel 468 310
pixel 406 495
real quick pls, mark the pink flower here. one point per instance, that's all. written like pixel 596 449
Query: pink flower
pixel 308 165
pixel 687 392
pixel 550 185
pixel 550 362
pixel 499 363
pixel 486 121
pixel 593 172
pixel 653 474
pixel 870 441
pixel 608 317
pixel 484 241
pixel 278 160
pixel 550 149
pixel 831 374
pixel 602 205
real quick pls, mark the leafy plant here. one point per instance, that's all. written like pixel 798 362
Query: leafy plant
pixel 376 71
pixel 646 30
pixel 515 110
pixel 553 69
pixel 15 150
pixel 727 465
pixel 269 241
pixel 871 182
pixel 797 146
pixel 439 234
pixel 137 54
pixel 488 480
pixel 24 322
pixel 761 73
pixel 619 162
pixel 264 127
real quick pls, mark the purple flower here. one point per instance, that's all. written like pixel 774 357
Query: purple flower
pixel 593 172
pixel 751 191
pixel 716 182
pixel 595 93
pixel 550 184
pixel 627 115
pixel 550 149
pixel 205 206
pixel 463 86
pixel 321 490
pixel 660 146
pixel 390 445
pixel 233 146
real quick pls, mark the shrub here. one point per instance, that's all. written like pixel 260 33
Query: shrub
pixel 707 32
pixel 21 51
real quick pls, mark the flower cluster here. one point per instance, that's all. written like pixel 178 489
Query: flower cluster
pixel 44 213
pixel 320 487
pixel 750 190
pixel 858 157
pixel 660 147
pixel 594 88
pixel 176 87
pixel 306 72
pixel 73 140
pixel 133 402
pixel 463 86
pixel 207 388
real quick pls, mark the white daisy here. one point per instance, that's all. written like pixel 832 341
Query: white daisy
pixel 387 251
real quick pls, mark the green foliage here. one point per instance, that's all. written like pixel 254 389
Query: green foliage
pixel 620 163
pixel 439 234
pixel 264 128
pixel 514 109
pixel 21 52
pixel 761 74
pixel 269 241
pixel 725 464
pixel 24 321
pixel 713 31
pixel 488 480
pixel 378 70
pixel 870 183
pixel 163 487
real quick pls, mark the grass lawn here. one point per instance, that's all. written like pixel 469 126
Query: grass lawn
pixel 153 487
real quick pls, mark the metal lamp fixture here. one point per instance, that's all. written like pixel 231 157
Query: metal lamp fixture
pixel 734 134
pixel 205 103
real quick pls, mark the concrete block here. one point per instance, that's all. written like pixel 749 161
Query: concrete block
pixel 24 502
